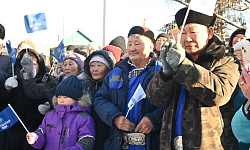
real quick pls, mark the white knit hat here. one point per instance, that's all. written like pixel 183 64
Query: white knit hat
pixel 101 59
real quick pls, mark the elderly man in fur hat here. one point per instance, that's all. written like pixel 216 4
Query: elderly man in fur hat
pixel 195 81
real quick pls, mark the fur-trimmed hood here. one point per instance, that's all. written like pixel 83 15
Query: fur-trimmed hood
pixel 84 101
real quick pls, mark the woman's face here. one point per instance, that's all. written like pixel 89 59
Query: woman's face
pixel 98 70
pixel 70 67
pixel 35 62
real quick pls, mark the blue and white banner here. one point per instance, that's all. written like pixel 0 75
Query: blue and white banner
pixel 7 119
pixel 12 52
pixel 35 22
pixel 203 6
pixel 59 53
pixel 138 95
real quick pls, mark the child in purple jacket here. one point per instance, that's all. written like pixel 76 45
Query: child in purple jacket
pixel 69 125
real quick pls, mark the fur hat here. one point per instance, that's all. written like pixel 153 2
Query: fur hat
pixel 78 58
pixel 142 31
pixel 2 32
pixel 238 31
pixel 194 17
pixel 70 87
pixel 30 44
pixel 119 41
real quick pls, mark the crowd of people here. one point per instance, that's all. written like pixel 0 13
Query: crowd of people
pixel 188 91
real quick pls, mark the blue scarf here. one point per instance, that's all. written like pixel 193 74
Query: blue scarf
pixel 179 112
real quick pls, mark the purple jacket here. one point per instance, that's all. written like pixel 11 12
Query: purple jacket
pixel 67 127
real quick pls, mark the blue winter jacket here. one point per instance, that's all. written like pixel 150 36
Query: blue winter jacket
pixel 110 102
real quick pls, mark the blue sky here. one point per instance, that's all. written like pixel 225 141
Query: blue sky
pixel 64 17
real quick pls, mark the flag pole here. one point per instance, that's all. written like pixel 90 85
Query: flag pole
pixel 12 69
pixel 183 24
pixel 18 118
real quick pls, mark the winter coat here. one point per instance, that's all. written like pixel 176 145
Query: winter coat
pixel 92 86
pixel 14 138
pixel 67 127
pixel 110 102
pixel 5 73
pixel 209 82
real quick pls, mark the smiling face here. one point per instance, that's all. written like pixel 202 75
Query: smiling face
pixel 64 100
pixel 194 38
pixel 70 67
pixel 159 42
pixel 98 70
pixel 139 48
pixel 238 38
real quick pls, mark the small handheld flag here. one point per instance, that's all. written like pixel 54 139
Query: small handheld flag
pixel 35 22
pixel 59 53
pixel 7 119
pixel 138 95
pixel 12 54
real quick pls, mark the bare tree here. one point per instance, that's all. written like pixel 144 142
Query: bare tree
pixel 229 13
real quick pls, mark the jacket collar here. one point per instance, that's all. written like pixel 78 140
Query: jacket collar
pixel 215 50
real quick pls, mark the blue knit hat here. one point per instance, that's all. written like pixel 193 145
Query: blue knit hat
pixel 70 87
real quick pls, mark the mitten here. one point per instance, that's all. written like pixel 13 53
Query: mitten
pixel 165 48
pixel 49 81
pixel 27 63
pixel 11 83
pixel 44 108
pixel 175 56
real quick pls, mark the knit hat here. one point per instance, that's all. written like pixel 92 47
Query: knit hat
pixel 2 32
pixel 78 58
pixel 238 31
pixel 117 52
pixel 101 59
pixel 194 17
pixel 142 31
pixel 70 87
pixel 119 41
pixel 162 35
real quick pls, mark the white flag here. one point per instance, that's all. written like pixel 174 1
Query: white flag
pixel 203 6
pixel 138 95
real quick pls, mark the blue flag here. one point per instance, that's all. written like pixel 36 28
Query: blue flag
pixel 35 22
pixel 59 53
pixel 12 52
pixel 7 119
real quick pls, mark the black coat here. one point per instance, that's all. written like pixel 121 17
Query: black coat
pixel 14 138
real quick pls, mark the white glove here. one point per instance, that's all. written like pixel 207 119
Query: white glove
pixel 44 108
pixel 11 83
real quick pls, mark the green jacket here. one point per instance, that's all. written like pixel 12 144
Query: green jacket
pixel 209 82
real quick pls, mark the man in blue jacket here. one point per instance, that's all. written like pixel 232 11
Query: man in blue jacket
pixel 135 126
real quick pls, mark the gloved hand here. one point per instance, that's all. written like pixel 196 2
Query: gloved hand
pixel 49 81
pixel 27 63
pixel 44 108
pixel 175 56
pixel 11 83
pixel 166 68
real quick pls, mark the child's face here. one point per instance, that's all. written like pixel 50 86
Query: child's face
pixel 64 100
